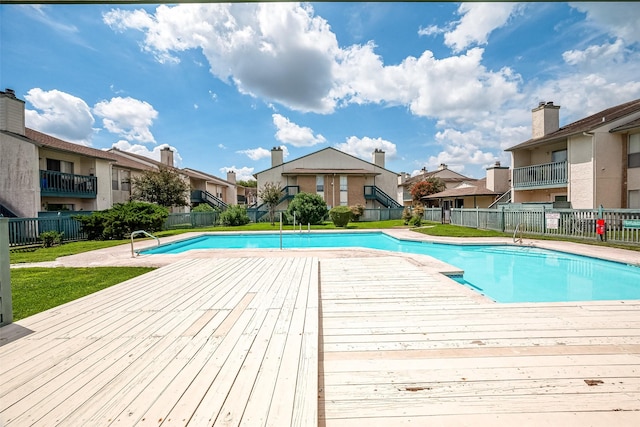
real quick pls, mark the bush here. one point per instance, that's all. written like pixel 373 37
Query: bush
pixel 418 212
pixel 203 207
pixel 51 238
pixel 356 212
pixel 406 215
pixel 309 208
pixel 93 225
pixel 340 215
pixel 123 219
pixel 233 216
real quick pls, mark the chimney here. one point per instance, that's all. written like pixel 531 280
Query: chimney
pixel 545 119
pixel 231 177
pixel 166 156
pixel 277 156
pixel 442 167
pixel 378 158
pixel 11 113
pixel 498 178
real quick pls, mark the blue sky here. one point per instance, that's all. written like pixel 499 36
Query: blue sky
pixel 428 83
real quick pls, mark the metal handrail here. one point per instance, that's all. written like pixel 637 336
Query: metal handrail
pixel 515 232
pixel 146 234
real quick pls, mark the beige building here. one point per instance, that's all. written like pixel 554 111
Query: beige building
pixel 591 162
pixel 450 178
pixel 41 173
pixel 340 178
pixel 480 193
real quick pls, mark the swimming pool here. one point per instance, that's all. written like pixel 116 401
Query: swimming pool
pixel 503 273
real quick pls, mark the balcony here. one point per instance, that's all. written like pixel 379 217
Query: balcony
pixel 548 175
pixel 60 184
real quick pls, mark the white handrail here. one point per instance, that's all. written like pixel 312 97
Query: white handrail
pixel 515 232
pixel 146 234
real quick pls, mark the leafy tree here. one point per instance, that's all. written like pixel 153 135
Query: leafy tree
pixel 234 215
pixel 270 195
pixel 309 208
pixel 164 187
pixel 426 187
pixel 250 183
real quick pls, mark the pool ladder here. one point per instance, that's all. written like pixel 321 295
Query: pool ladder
pixel 133 254
pixel 519 239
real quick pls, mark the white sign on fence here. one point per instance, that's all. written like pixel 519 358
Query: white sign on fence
pixel 553 220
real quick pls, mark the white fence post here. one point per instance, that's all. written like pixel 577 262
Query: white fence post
pixel 6 305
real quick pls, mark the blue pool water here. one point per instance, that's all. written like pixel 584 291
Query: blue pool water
pixel 501 272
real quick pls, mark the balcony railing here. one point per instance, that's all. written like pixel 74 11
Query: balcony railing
pixel 60 184
pixel 545 175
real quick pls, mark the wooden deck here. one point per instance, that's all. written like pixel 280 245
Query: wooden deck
pixel 244 341
pixel 402 348
pixel 201 342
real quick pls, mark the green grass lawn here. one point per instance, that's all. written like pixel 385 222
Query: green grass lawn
pixel 38 289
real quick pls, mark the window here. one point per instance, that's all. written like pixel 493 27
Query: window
pixel 559 156
pixel 59 207
pixel 634 151
pixel 319 184
pixel 125 180
pixel 59 166
pixel 633 199
pixel 344 195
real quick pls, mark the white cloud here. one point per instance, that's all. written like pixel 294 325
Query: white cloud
pixel 430 30
pixel 244 173
pixel 592 57
pixel 255 153
pixel 262 153
pixel 478 21
pixel 284 53
pixel 61 115
pixel 619 19
pixel 291 133
pixel 597 77
pixel 128 118
pixel 222 146
pixel 144 151
pixel 280 52
pixel 364 147
pixel 457 86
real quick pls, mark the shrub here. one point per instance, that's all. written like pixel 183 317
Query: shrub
pixel 406 215
pixel 93 225
pixel 418 212
pixel 51 238
pixel 309 208
pixel 122 219
pixel 203 207
pixel 356 212
pixel 340 215
pixel 233 216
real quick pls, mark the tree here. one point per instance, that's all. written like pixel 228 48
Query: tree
pixel 270 194
pixel 424 188
pixel 250 183
pixel 164 187
pixel 309 208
